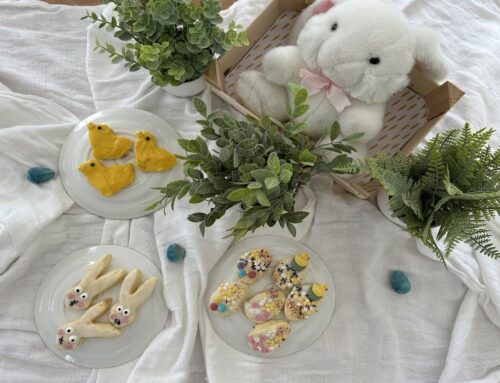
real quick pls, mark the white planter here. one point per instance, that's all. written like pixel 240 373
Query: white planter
pixel 383 205
pixel 187 89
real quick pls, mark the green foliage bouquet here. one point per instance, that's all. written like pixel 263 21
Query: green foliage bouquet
pixel 453 184
pixel 173 39
pixel 258 165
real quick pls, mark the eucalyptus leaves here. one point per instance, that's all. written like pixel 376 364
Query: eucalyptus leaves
pixel 258 166
pixel 173 39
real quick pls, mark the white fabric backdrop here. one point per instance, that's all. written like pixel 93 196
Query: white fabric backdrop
pixel 438 332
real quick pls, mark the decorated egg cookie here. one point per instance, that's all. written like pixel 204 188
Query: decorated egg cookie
pixel 265 305
pixel 71 334
pixel 108 180
pixel 227 298
pixel 149 157
pixel 93 282
pixel 106 145
pixel 253 264
pixel 268 336
pixel 288 272
pixel 303 301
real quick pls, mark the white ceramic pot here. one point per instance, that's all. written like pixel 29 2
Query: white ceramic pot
pixel 383 205
pixel 187 89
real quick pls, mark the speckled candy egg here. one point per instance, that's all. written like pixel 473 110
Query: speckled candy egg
pixel 265 305
pixel 253 265
pixel 227 298
pixel 268 336
pixel 303 301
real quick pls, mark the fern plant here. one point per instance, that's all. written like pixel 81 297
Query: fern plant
pixel 453 183
pixel 257 165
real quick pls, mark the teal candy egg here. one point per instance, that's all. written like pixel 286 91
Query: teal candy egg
pixel 241 273
pixel 221 307
pixel 175 253
pixel 40 175
pixel 400 282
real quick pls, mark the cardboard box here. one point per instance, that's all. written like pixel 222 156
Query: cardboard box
pixel 410 114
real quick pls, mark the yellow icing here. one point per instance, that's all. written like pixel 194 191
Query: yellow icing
pixel 149 157
pixel 107 180
pixel 105 143
pixel 319 289
pixel 302 259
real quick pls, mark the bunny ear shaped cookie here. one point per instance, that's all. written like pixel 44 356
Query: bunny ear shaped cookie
pixel 132 295
pixel 71 334
pixel 93 283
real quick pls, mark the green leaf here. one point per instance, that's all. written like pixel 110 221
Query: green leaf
pixel 354 136
pixel 296 217
pixel 271 182
pixel 238 194
pixel 254 185
pixel 260 175
pixel 200 106
pixel 196 217
pixel 306 156
pixel 300 110
pixel 194 173
pixel 285 175
pixel 300 96
pixel 291 229
pixel 262 198
pixel 273 163
pixel 334 131
pixel 196 199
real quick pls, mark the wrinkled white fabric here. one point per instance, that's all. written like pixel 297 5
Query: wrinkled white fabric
pixel 438 332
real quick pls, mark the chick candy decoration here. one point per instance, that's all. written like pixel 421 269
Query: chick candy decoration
pixel 106 145
pixel 107 180
pixel 149 157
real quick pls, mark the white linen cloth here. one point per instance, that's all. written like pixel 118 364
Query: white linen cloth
pixel 438 332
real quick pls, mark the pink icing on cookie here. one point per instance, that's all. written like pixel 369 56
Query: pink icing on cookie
pixel 70 295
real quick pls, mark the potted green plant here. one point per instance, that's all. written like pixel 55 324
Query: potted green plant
pixel 446 192
pixel 174 40
pixel 257 165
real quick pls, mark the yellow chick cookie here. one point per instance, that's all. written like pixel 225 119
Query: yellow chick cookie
pixel 149 157
pixel 107 180
pixel 106 145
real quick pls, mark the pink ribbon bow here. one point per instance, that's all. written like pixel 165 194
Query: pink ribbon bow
pixel 314 83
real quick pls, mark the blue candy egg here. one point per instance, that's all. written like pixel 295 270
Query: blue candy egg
pixel 40 175
pixel 241 273
pixel 400 282
pixel 221 307
pixel 175 253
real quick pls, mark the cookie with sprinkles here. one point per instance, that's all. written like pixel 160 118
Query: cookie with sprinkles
pixel 265 305
pixel 268 336
pixel 227 298
pixel 303 301
pixel 288 272
pixel 253 265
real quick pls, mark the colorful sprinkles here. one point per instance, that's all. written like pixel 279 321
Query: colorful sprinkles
pixel 253 264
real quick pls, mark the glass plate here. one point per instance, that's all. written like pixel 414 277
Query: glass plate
pixel 131 201
pixel 234 329
pixel 50 311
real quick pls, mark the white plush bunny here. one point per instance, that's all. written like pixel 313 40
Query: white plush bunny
pixel 71 334
pixel 132 295
pixel 351 55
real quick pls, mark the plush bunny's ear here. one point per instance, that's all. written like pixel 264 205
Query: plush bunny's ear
pixel 428 53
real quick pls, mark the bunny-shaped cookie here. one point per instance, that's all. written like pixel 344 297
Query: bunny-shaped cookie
pixel 93 283
pixel 132 295
pixel 71 334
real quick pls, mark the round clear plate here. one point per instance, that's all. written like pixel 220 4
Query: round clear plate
pixel 234 329
pixel 50 311
pixel 132 201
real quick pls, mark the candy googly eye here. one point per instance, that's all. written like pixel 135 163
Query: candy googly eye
pixel 73 338
pixel 78 289
pixel 69 330
pixel 84 296
pixel 119 309
pixel 126 312
pixel 148 138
